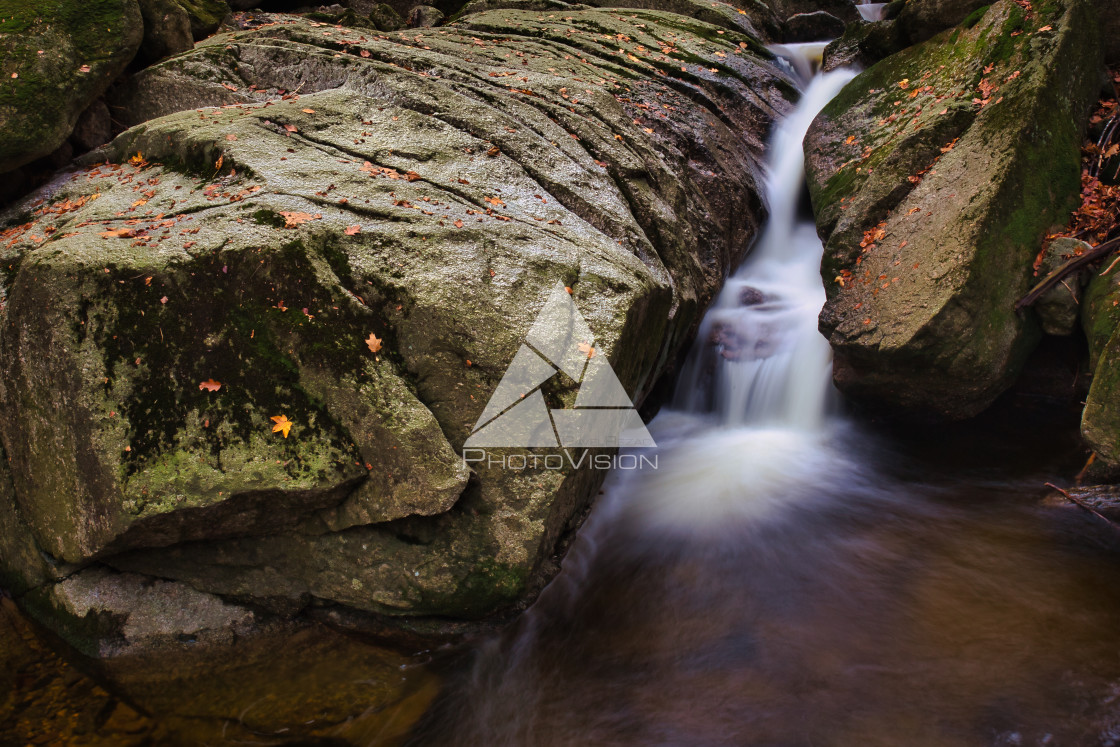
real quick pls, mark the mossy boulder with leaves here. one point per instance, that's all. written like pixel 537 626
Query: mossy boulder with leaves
pixel 934 176
pixel 56 57
pixel 347 235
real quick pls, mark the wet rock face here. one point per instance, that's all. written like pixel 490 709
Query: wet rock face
pixel 811 27
pixel 167 30
pixel 934 176
pixel 218 270
pixel 1100 421
pixel 55 59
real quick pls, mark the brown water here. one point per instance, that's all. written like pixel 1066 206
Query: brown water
pixel 873 609
pixel 312 686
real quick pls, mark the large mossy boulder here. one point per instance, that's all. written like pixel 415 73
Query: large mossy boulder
pixel 242 346
pixel 920 19
pixel 934 176
pixel 55 59
pixel 1100 421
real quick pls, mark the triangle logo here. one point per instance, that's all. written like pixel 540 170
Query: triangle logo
pixel 517 415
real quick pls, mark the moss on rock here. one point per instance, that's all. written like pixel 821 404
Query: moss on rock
pixel 934 176
pixel 55 59
pixel 428 187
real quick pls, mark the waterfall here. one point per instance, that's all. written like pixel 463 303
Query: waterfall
pixel 759 359
pixel 871 11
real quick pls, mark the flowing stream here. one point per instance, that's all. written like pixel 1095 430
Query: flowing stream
pixel 785 577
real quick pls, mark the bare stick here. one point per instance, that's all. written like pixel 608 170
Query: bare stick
pixel 1068 268
pixel 1082 504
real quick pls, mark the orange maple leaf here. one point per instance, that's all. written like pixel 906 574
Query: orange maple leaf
pixel 293 219
pixel 118 233
pixel 282 424
pixel 374 342
pixel 586 349
pixel 351 230
pixel 210 385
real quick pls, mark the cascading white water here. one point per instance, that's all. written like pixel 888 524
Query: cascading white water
pixel 748 433
pixel 759 359
pixel 871 11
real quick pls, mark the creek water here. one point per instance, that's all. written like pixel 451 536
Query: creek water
pixel 786 577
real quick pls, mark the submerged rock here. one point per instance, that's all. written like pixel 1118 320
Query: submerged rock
pixel 189 387
pixel 104 613
pixel 934 176
pixel 55 59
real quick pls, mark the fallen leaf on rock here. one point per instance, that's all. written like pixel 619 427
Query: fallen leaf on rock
pixel 291 128
pixel 493 151
pixel 231 136
pixel 294 219
pixel 83 69
pixel 210 385
pixel 308 111
pixel 352 230
pixel 458 224
pixel 282 424
pixel 374 343
pixel 118 233
pixel 586 349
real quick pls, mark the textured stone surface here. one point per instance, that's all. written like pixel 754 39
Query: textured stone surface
pixel 167 29
pixel 437 185
pixel 934 176
pixel 1100 319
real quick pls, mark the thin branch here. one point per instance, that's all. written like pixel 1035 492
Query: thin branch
pixel 1068 268
pixel 1082 504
